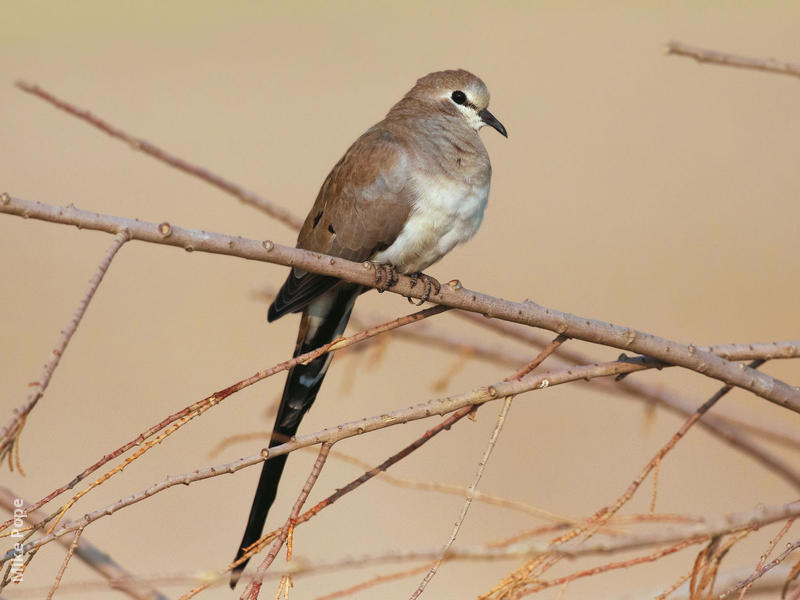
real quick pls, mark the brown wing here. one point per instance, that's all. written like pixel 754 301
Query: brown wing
pixel 360 210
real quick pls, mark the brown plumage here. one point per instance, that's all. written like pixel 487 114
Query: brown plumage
pixel 360 209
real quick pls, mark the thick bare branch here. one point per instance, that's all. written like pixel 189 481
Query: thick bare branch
pixel 454 295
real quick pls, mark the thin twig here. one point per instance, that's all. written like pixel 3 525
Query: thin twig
pixel 273 210
pixel 378 579
pixel 773 432
pixel 369 474
pixel 116 577
pixel 64 563
pixel 332 434
pixel 501 419
pixel 607 512
pixel 454 295
pixel 517 579
pixel 558 522
pixel 625 564
pixel 326 502
pixel 457 490
pixel 745 584
pixel 700 532
pixel 255 585
pixel 265 539
pixel 721 426
pixel 703 55
pixel 771 582
pixel 198 408
pixel 435 337
pixel 667 592
pixel 9 435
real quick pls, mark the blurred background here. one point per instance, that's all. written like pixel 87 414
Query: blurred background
pixel 635 188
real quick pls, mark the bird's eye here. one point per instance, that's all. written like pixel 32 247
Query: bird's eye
pixel 459 97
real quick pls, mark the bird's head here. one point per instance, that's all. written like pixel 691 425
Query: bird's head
pixel 457 92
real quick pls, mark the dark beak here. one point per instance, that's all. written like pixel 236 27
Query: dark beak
pixel 489 119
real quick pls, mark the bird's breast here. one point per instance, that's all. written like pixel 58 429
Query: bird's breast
pixel 447 211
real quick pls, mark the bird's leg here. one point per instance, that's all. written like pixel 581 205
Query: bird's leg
pixel 431 284
pixel 389 272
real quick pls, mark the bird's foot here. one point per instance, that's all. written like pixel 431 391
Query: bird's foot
pixel 431 285
pixel 385 277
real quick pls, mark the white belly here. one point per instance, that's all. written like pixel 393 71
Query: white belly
pixel 446 213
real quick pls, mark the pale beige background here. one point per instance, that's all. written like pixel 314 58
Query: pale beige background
pixel 635 188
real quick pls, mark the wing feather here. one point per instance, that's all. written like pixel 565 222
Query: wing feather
pixel 360 210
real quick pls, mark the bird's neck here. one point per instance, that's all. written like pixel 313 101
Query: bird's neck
pixel 441 136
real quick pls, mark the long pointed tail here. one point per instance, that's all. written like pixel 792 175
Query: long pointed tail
pixel 323 320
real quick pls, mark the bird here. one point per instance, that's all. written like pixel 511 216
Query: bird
pixel 405 193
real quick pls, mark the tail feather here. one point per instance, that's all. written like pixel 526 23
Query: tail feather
pixel 323 320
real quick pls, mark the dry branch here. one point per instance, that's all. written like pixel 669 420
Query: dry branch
pixel 9 434
pixel 195 409
pixel 723 427
pixel 117 577
pixel 395 458
pixel 772 582
pixel 254 587
pixel 454 295
pixel 273 210
pixel 762 568
pixel 333 434
pixel 528 577
pixel 701 531
pixel 70 551
pixel 501 418
pixel 726 428
pixel 704 55
pixel 326 502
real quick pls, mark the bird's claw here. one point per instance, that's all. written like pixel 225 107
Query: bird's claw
pixel 431 285
pixel 385 277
